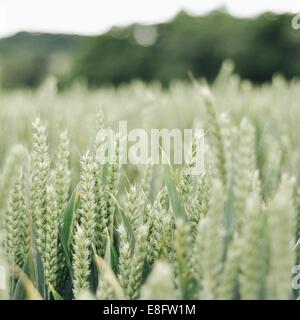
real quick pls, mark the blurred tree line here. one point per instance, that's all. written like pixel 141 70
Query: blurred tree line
pixel 259 47
pixel 26 59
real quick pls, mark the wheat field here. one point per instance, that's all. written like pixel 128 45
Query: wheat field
pixel 73 228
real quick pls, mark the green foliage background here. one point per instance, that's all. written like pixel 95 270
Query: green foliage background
pixel 259 47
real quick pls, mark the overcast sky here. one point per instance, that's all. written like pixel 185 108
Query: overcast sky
pixel 96 16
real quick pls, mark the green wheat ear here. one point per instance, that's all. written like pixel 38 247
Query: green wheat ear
pixel 125 256
pixel 112 185
pixel 62 172
pixel 16 157
pixel 85 234
pixel 134 207
pixel 51 247
pixel 146 181
pixel 183 256
pixel 17 224
pixel 200 202
pixel 197 255
pixel 229 283
pixel 245 167
pixel 213 242
pixel 87 212
pixel 100 190
pixel 254 252
pixel 137 264
pixel 40 170
pixel 281 226
pixel 81 262
pixel 216 138
pixel 160 284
